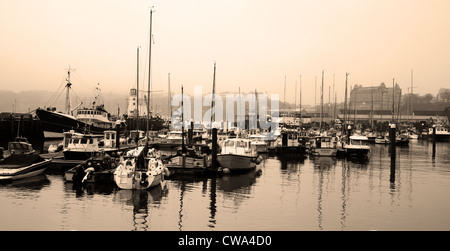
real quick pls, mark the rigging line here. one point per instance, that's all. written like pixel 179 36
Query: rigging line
pixel 58 96
pixel 54 94
pixel 78 77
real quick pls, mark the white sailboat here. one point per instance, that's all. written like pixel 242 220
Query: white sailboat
pixel 140 169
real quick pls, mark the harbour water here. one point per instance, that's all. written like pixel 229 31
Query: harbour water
pixel 293 195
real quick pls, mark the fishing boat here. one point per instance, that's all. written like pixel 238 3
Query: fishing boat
pixel 292 145
pixel 238 154
pixel 324 146
pixel 92 170
pixel 93 119
pixel 138 171
pixel 79 146
pixel 357 146
pixel 20 145
pixel 22 165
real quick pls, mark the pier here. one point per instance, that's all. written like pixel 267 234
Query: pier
pixel 20 124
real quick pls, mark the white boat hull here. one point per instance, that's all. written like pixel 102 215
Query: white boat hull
pixel 138 180
pixel 236 162
pixel 326 152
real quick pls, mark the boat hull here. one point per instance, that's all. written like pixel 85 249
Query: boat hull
pixel 23 172
pixel 290 150
pixel 325 152
pixel 381 141
pixel 236 162
pixel 356 151
pixel 139 180
pixel 58 123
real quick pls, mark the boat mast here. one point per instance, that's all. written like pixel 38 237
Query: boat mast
pixel 137 90
pixel 149 73
pixel 393 99
pixel 169 97
pixel 68 86
pixel 345 102
pixel 321 102
pixel 213 97
pixel 182 121
pixel 300 102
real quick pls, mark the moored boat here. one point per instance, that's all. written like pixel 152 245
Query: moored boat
pixel 54 123
pixel 238 154
pixel 324 146
pixel 137 171
pixel 357 146
pixel 442 134
pixel 402 140
pixel 95 169
pixel 24 165
pixel 382 140
pixel 292 145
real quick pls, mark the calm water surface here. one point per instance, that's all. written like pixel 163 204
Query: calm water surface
pixel 313 194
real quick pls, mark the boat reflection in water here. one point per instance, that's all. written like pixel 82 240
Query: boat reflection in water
pixel 140 200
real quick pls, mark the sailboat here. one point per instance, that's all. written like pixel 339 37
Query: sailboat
pixel 141 167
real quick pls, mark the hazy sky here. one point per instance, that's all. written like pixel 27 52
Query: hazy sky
pixel 255 43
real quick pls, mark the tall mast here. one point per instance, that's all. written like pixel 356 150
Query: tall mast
pixel 137 88
pixel 321 103
pixel 149 73
pixel 182 121
pixel 315 93
pixel 334 108
pixel 284 92
pixel 68 86
pixel 213 115
pixel 393 98
pixel 411 95
pixel 345 101
pixel 169 97
pixel 300 102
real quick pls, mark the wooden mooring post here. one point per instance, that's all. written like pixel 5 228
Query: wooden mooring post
pixel 434 142
pixel 392 148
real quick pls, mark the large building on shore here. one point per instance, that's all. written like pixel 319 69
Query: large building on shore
pixel 379 99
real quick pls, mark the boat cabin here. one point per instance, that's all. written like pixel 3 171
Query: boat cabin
pixel 109 138
pixel 325 142
pixel 20 146
pixel 82 142
pixel 238 146
pixel 359 140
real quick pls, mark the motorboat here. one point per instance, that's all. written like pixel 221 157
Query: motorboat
pixel 324 146
pixel 357 146
pixel 22 165
pixel 92 170
pixel 292 145
pixel 238 154
pixel 382 139
pixel 259 143
pixel 79 146
pixel 141 168
pixel 442 133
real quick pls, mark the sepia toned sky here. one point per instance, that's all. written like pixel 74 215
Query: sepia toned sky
pixel 255 44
